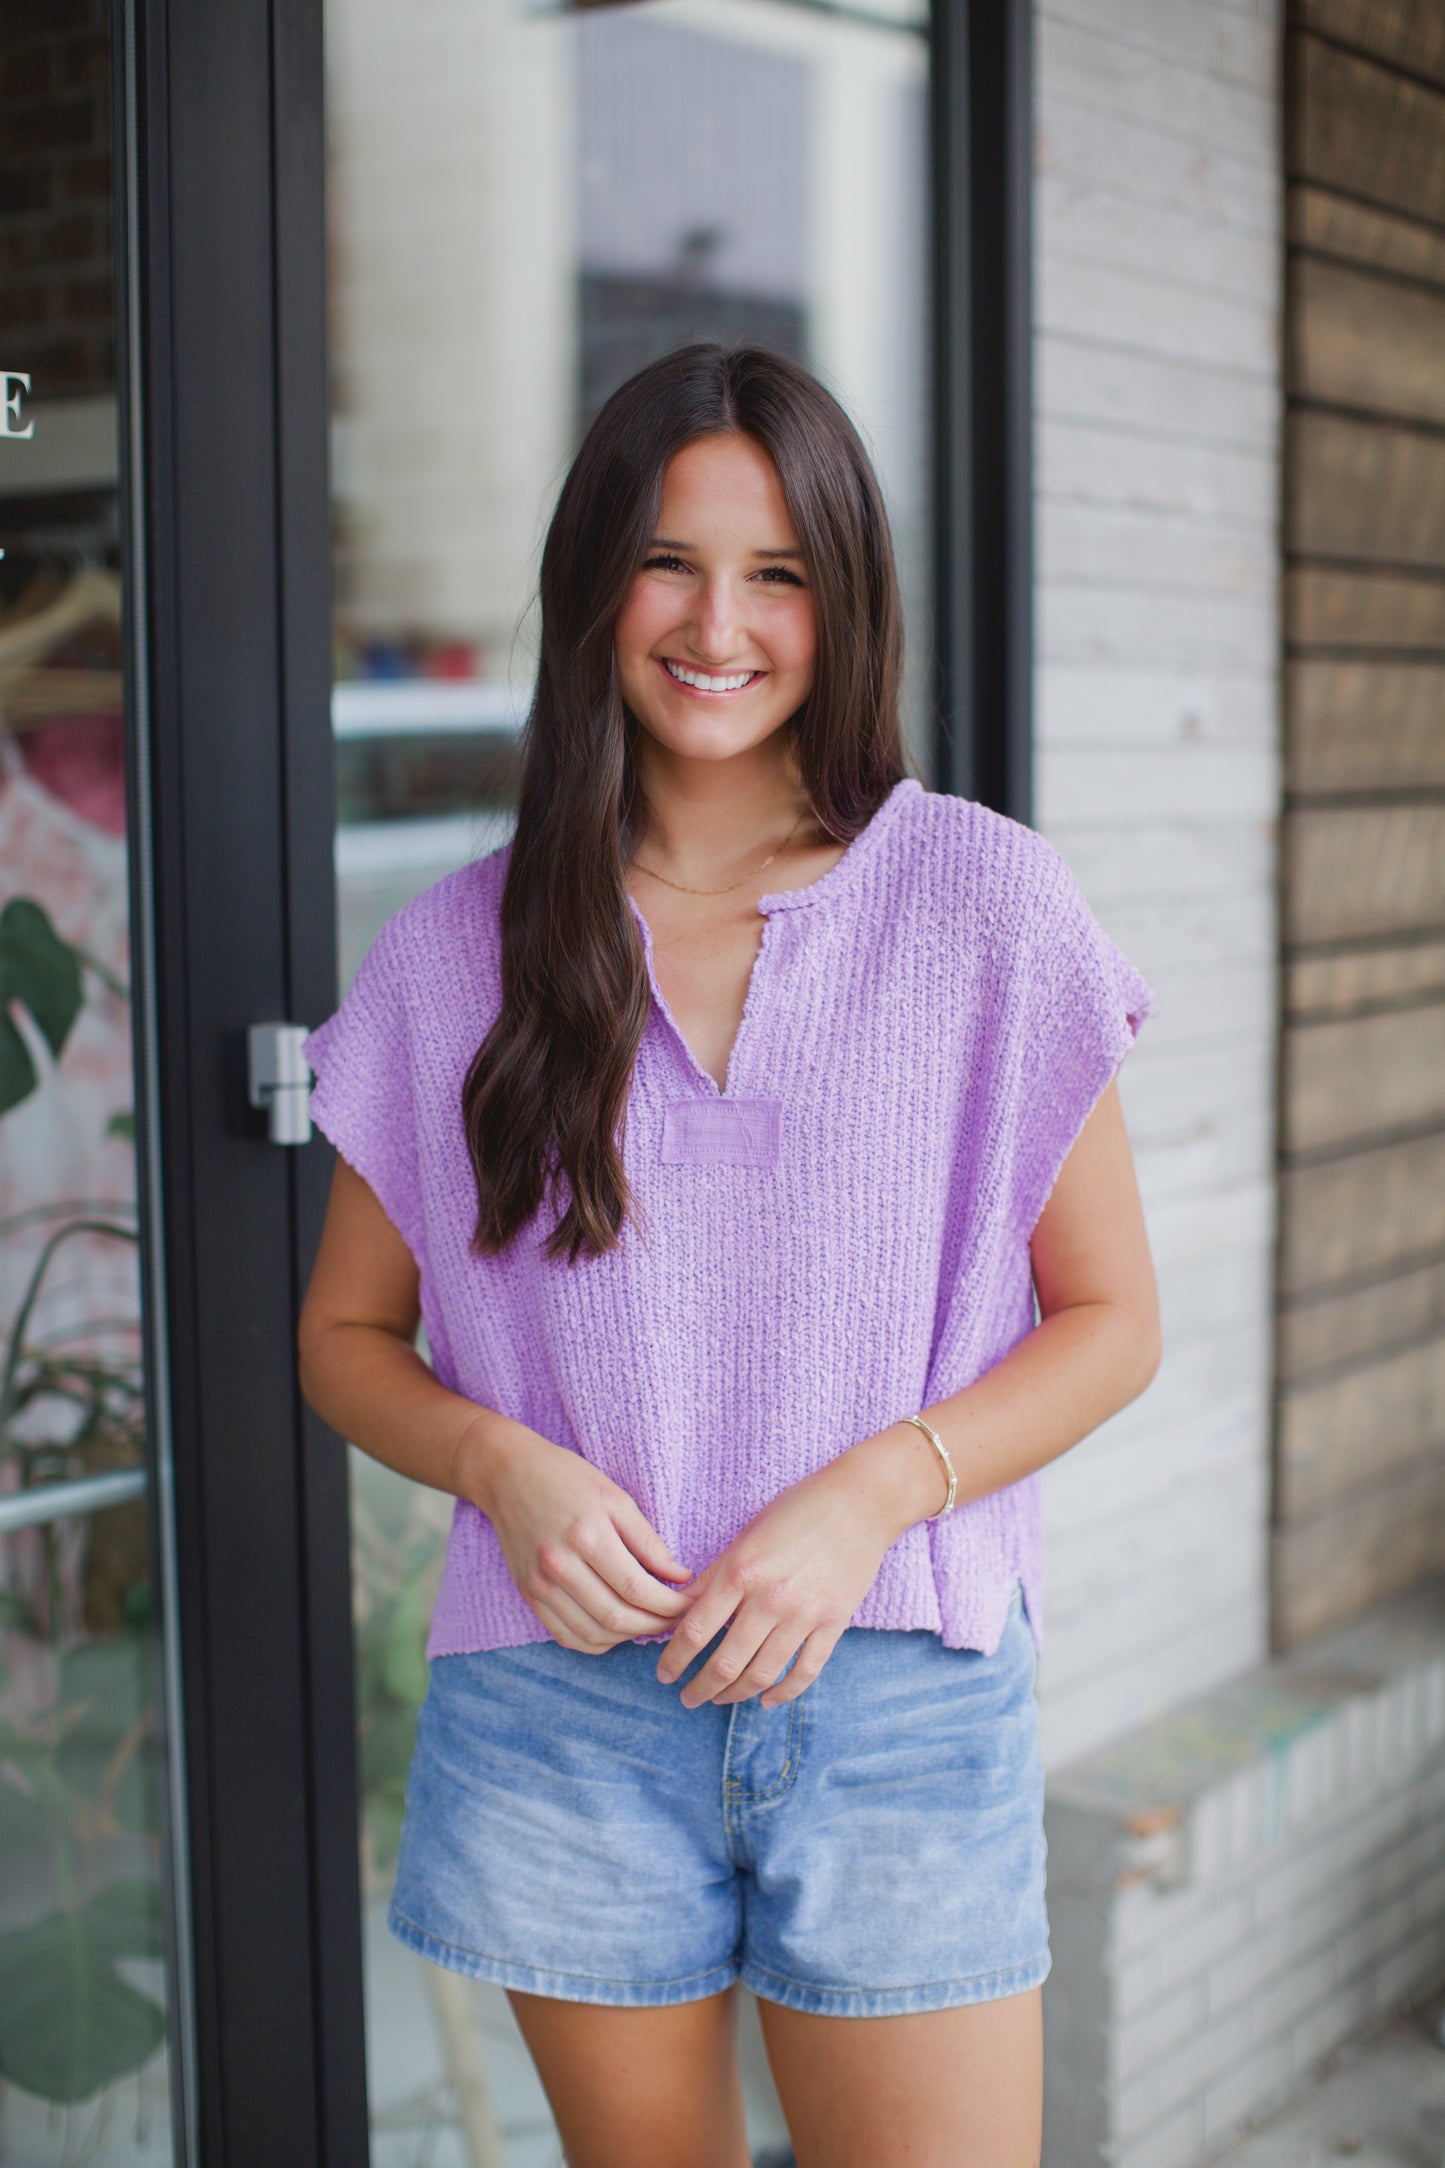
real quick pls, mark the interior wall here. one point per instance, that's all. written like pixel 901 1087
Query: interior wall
pixel 1360 1443
pixel 1157 304
pixel 451 305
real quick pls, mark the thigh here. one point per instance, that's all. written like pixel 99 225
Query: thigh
pixel 628 2086
pixel 927 2091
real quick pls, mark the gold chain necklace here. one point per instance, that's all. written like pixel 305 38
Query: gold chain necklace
pixel 682 885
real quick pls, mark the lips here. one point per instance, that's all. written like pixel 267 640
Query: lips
pixel 701 681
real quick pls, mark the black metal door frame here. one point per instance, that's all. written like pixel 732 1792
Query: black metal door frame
pixel 226 403
pixel 224 393
pixel 981 90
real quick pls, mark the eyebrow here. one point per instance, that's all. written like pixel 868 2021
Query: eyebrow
pixel 661 542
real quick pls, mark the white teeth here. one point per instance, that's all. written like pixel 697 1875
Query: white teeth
pixel 704 684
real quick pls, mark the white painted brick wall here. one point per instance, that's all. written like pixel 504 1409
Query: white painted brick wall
pixel 1242 1885
pixel 1157 413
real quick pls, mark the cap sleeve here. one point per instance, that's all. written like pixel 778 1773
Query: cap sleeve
pixel 363 1098
pixel 1082 1005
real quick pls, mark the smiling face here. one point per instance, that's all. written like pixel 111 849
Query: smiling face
pixel 717 638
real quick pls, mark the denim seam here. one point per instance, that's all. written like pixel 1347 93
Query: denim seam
pixel 549 1972
pixel 792 1755
pixel 737 1842
pixel 754 1971
pixel 737 1799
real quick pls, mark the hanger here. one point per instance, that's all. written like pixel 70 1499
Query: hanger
pixel 91 594
pixel 29 693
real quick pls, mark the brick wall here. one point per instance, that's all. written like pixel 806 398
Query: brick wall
pixel 57 301
pixel 1158 274
pixel 1239 1888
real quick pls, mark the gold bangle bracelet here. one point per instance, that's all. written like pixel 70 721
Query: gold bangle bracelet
pixel 942 1451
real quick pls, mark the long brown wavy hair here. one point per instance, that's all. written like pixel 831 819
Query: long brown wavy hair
pixel 545 1096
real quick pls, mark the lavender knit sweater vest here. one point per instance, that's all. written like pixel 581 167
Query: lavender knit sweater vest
pixel 837 1240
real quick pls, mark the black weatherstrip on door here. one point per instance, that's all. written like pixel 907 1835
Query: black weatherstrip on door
pixel 982 127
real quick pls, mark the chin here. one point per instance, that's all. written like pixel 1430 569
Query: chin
pixel 704 733
pixel 709 738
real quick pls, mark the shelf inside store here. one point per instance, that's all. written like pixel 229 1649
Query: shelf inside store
pixel 407 707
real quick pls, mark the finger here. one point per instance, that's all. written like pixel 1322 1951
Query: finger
pixel 730 1659
pixel 707 1615
pixel 643 1541
pixel 567 1622
pixel 603 1605
pixel 766 1668
pixel 626 1577
pixel 813 1655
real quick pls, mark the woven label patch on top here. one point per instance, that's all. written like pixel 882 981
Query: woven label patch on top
pixel 721 1132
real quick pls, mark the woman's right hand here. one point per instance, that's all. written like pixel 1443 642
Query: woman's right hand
pixel 579 1549
pixel 582 1553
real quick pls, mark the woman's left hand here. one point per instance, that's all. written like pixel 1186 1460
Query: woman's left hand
pixel 793 1578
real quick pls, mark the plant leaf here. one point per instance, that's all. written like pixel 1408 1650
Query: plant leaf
pixel 18 1747
pixel 69 2024
pixel 40 970
pixel 17 1071
pixel 26 1817
pixel 110 1678
pixel 105 1691
pixel 387 1746
pixel 403 1655
pixel 124 1919
pixel 385 1813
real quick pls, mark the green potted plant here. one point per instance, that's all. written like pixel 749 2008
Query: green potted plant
pixel 78 1765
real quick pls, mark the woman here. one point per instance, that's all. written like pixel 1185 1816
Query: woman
pixel 720 1130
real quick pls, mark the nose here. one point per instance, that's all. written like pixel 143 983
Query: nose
pixel 718 631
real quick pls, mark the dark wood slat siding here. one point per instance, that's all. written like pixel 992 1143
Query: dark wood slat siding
pixel 1341 1330
pixel 1358 233
pixel 1367 614
pixel 1366 871
pixel 1366 131
pixel 1364 492
pixel 1361 1215
pixel 1359 1494
pixel 1365 340
pixel 1357 725
pixel 1360 1081
pixel 1346 1435
pixel 1336 1564
pixel 1406 34
pixel 1350 981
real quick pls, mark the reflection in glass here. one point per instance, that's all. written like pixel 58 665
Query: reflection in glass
pixel 82 1986
pixel 527 203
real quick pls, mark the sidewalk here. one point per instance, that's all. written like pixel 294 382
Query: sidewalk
pixel 1379 2103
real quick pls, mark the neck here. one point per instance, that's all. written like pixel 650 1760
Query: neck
pixel 704 816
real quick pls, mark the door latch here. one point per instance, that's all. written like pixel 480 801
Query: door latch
pixel 279 1080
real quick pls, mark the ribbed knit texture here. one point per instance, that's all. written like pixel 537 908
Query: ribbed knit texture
pixel 932 1021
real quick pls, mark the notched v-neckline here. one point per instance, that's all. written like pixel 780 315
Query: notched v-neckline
pixel 705 1077
pixel 810 893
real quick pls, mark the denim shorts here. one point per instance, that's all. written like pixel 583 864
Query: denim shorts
pixel 872 1848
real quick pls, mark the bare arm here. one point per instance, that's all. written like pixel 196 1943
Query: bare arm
pixel 794 1577
pixel 1097 1344
pixel 579 1549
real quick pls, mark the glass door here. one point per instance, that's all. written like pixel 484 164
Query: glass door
pixel 83 1974
pixel 526 203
